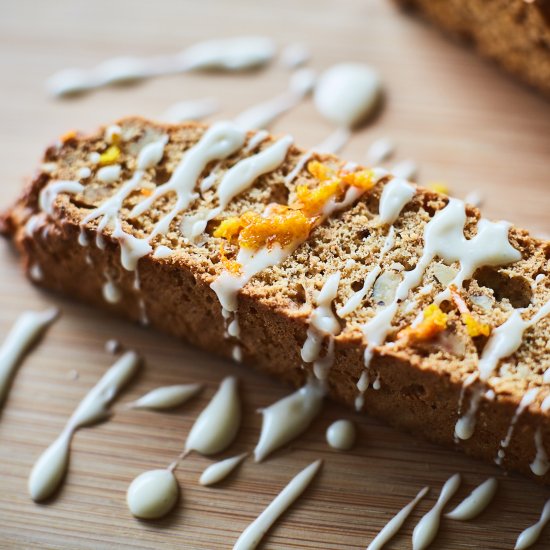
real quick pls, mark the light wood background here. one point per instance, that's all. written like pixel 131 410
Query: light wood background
pixel 457 116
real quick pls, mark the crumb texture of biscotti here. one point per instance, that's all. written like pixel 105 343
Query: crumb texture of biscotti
pixel 81 232
pixel 515 34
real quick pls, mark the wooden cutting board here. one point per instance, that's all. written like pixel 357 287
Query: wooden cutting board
pixel 459 118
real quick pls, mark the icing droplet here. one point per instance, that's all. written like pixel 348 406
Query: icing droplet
pixel 218 423
pixel 341 435
pixel 476 502
pixel 288 418
pixel 253 534
pixel 152 494
pixel 167 397
pixel 220 470
pixel 528 537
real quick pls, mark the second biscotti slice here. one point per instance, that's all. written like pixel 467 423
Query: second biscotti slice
pixel 398 300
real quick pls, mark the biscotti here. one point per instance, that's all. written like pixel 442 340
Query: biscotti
pixel 515 34
pixel 400 301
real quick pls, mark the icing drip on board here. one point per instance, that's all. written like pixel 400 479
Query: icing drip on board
pixel 229 54
pixel 476 502
pixel 322 323
pixel 152 494
pixel 540 464
pixel 426 529
pixel 49 470
pixel 28 327
pixel 527 400
pixel 220 470
pixel 529 536
pixel 392 527
pixel 503 342
pixel 287 418
pixel 253 534
pixel 341 435
pixel 166 397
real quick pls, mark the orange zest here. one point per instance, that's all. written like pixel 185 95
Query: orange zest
pixel 109 156
pixel 71 134
pixel 229 265
pixel 288 224
pixel 433 322
pixel 474 326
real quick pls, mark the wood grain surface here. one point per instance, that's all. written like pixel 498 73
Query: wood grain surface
pixel 459 118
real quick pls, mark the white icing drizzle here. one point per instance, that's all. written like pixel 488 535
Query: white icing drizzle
pixel 220 470
pixel 52 190
pixel 341 435
pixel 347 93
pixel 322 323
pixel 190 110
pixel 295 55
pixel 395 195
pixel 264 114
pixel 218 142
pixel 475 198
pixel 152 494
pixel 109 174
pixel 287 418
pixel 475 502
pixel 35 272
pixel 28 327
pixel 49 469
pixel 229 54
pixel 529 536
pixel 527 399
pixel 406 169
pixel 540 464
pixel 111 292
pixel 426 529
pixel 238 179
pixel 218 424
pixel 162 252
pixel 112 346
pixel 253 534
pixel 84 172
pixel 504 341
pixel 380 150
pixel 392 527
pixel 166 397
pixel 444 238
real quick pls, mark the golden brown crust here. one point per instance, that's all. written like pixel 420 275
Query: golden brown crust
pixel 515 34
pixel 419 386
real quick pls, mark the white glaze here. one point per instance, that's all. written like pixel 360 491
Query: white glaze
pixel 220 470
pixel 295 55
pixel 218 142
pixel 190 110
pixel 152 494
pixel 162 252
pixel 322 323
pixel 540 464
pixel 28 327
pixel 392 527
pixel 347 93
pixel 166 397
pixel 112 346
pixel 527 400
pixel 265 113
pixel 35 272
pixel 253 534
pixel 380 150
pixel 84 173
pixel 109 174
pixel 504 341
pixel 395 195
pixel 229 54
pixel 475 502
pixel 218 424
pixel 341 435
pixel 50 468
pixel 475 198
pixel 426 529
pixel 110 290
pixel 529 536
pixel 356 299
pixel 53 189
pixel 287 418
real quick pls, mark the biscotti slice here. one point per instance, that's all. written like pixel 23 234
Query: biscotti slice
pixel 514 33
pixel 399 301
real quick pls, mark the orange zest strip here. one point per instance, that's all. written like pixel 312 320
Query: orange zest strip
pixel 474 327
pixel 433 322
